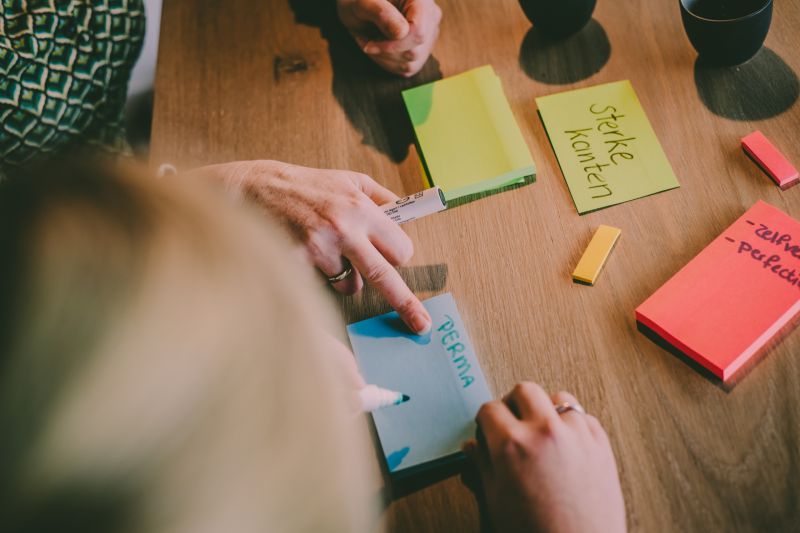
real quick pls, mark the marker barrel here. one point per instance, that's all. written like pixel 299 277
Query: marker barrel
pixel 416 206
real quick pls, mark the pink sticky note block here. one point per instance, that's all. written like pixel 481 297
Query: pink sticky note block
pixel 733 297
pixel 770 159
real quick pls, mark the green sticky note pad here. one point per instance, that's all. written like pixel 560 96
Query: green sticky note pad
pixel 469 142
pixel 606 147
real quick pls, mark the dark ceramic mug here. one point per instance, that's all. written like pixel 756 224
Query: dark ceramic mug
pixel 726 32
pixel 558 18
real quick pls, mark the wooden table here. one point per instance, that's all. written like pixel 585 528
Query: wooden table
pixel 269 79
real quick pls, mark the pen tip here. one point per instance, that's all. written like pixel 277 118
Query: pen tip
pixel 406 397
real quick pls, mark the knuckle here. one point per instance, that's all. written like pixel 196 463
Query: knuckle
pixel 551 427
pixel 486 410
pixel 518 436
pixel 401 252
pixel 336 225
pixel 358 178
pixel 343 176
pixel 483 410
pixel 524 388
pixel 355 203
pixel 406 251
pixel 562 396
pixel 413 69
pixel 520 387
pixel 320 250
pixel 411 55
pixel 384 13
pixel 339 218
pixel 344 184
pixel 516 442
pixel 377 273
pixel 316 242
pixel 406 305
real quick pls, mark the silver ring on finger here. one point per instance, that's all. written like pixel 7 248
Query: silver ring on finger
pixel 343 275
pixel 570 406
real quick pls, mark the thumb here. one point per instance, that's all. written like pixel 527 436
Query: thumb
pixel 383 14
pixel 473 451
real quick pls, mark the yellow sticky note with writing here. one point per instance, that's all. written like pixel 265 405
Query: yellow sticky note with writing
pixel 605 145
pixel 596 254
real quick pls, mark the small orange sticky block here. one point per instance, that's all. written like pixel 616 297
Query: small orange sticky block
pixel 769 158
pixel 596 254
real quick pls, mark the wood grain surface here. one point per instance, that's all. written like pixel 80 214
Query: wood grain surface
pixel 271 79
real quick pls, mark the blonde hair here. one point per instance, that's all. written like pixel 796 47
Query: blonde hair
pixel 164 367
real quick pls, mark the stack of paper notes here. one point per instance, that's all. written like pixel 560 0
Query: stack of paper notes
pixel 594 257
pixel 607 150
pixel 467 138
pixel 440 373
pixel 726 303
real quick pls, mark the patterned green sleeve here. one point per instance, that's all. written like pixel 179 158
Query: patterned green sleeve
pixel 64 71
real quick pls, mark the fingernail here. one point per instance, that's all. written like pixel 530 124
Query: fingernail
pixel 421 324
pixel 371 49
pixel 408 55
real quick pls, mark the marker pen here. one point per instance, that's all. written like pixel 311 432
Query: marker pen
pixel 416 206
pixel 373 397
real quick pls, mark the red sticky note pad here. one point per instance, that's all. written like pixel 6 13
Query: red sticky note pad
pixel 770 159
pixel 728 301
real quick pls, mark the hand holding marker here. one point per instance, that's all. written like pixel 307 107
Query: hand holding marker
pixel 409 208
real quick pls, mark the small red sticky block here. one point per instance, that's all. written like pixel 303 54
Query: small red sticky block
pixel 770 159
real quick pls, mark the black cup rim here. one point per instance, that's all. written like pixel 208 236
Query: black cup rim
pixel 753 14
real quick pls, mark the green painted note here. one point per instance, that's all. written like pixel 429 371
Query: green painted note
pixel 605 145
pixel 469 142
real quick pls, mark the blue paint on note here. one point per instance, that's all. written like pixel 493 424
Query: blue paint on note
pixel 439 371
pixel 388 326
pixel 394 459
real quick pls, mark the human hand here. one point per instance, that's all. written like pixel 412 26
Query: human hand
pixel 335 215
pixel 397 34
pixel 541 471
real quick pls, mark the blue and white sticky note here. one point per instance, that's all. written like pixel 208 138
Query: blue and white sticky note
pixel 439 371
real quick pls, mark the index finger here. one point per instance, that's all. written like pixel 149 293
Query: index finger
pixel 495 421
pixel 380 273
pixel 374 190
pixel 531 402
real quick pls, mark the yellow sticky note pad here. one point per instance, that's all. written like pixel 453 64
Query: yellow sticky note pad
pixel 605 145
pixel 596 254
